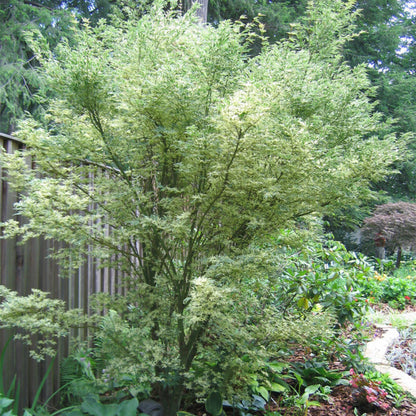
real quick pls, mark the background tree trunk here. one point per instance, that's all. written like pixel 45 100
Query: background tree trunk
pixel 202 11
pixel 399 257
pixel 380 253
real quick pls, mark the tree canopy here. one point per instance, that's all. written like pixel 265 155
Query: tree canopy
pixel 19 81
pixel 395 223
pixel 55 20
pixel 166 150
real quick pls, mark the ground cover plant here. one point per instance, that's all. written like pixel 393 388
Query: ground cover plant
pixel 402 353
pixel 167 152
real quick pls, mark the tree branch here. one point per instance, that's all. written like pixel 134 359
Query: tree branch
pixel 38 5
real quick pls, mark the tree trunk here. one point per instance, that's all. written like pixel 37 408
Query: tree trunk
pixel 171 398
pixel 202 11
pixel 399 257
pixel 380 253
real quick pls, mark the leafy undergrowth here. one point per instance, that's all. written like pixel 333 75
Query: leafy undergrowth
pixel 340 402
pixel 342 399
pixel 356 396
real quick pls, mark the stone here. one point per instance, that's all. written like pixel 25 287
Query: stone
pixel 376 351
pixel 151 408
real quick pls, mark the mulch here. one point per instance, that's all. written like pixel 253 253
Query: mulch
pixel 342 404
pixel 386 309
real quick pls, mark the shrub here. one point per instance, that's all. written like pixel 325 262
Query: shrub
pixel 325 276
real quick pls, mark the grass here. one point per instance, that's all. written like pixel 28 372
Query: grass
pixel 399 320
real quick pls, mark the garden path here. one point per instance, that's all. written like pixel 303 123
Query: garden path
pixel 376 353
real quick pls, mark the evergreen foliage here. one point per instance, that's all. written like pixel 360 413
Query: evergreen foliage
pixel 386 46
pixel 276 16
pixel 19 81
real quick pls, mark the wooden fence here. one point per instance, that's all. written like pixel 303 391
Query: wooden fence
pixel 23 267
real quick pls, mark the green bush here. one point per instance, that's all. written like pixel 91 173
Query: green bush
pixel 250 324
pixel 397 290
pixel 324 275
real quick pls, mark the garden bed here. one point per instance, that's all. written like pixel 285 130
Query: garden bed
pixel 341 401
